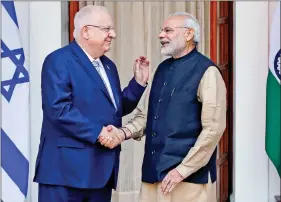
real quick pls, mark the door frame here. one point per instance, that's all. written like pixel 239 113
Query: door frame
pixel 215 22
pixel 73 7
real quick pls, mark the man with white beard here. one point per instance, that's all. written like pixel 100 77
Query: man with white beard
pixel 183 115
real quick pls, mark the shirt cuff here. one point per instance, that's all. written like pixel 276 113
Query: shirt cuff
pixel 136 135
pixel 136 88
pixel 183 170
pixel 131 128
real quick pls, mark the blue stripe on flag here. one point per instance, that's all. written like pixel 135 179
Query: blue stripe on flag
pixel 10 8
pixel 14 163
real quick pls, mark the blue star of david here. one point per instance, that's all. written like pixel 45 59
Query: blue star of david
pixel 20 70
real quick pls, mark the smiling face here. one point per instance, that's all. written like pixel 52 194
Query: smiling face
pixel 174 36
pixel 99 33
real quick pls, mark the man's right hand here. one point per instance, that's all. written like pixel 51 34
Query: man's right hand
pixel 141 70
pixel 111 137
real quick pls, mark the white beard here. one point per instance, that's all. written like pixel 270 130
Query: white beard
pixel 173 48
pixel 168 51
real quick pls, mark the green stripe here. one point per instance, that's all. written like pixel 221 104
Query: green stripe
pixel 273 140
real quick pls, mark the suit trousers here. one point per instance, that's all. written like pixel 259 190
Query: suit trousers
pixel 57 193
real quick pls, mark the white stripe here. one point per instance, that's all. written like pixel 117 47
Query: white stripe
pixel 274 39
pixel 10 191
pixel 16 119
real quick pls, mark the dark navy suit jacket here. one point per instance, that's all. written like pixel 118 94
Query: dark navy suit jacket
pixel 76 105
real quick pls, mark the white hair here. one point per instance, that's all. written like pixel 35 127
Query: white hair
pixel 190 22
pixel 84 17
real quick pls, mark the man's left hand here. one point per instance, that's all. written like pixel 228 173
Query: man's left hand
pixel 170 181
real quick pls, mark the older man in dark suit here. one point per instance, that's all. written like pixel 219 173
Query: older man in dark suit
pixel 81 95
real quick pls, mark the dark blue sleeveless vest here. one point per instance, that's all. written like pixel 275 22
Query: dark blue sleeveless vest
pixel 174 118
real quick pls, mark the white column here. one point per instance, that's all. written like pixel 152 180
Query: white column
pixel 45 37
pixel 250 73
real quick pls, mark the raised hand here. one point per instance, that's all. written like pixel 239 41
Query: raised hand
pixel 141 70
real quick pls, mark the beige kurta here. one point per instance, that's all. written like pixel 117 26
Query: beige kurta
pixel 212 94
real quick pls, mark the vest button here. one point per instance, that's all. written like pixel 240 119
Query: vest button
pixel 165 83
pixel 156 117
pixel 160 100
pixel 153 134
pixel 153 152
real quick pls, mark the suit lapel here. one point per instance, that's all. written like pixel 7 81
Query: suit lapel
pixel 88 66
pixel 111 77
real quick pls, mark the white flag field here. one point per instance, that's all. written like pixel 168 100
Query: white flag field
pixel 15 132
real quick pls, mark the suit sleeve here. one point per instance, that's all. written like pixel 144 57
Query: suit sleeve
pixel 131 96
pixel 57 103
pixel 137 124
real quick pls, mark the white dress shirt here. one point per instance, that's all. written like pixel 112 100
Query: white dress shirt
pixel 104 77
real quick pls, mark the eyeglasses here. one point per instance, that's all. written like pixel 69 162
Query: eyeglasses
pixel 102 28
pixel 169 30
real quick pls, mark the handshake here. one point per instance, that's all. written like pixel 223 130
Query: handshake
pixel 111 136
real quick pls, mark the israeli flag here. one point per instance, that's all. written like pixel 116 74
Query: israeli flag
pixel 15 132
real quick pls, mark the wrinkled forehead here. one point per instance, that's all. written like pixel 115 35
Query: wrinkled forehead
pixel 174 21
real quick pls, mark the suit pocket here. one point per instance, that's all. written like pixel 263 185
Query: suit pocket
pixel 70 143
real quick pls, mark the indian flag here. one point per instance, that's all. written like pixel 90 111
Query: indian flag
pixel 273 140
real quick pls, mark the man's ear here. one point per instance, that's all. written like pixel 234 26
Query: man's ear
pixel 85 33
pixel 189 34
